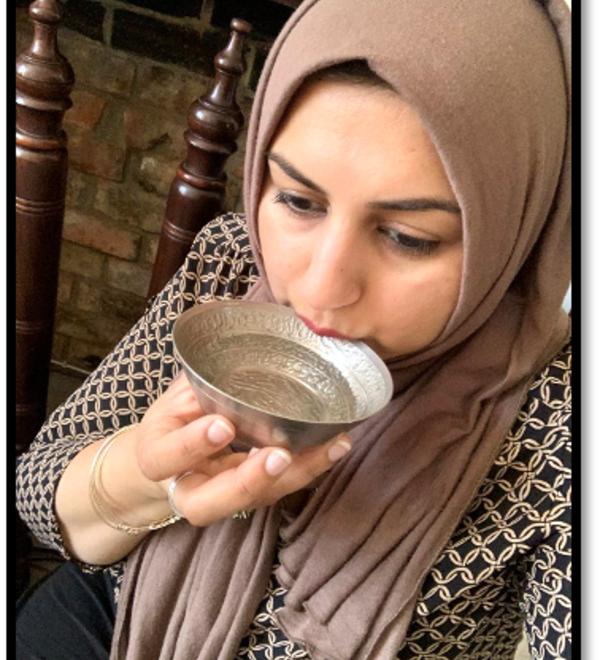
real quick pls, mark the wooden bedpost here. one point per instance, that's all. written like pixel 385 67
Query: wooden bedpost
pixel 198 190
pixel 44 81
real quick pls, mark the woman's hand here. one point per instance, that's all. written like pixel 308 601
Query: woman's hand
pixel 175 437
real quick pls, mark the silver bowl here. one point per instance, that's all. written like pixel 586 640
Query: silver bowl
pixel 279 383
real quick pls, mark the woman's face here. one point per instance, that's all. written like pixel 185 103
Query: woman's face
pixel 359 227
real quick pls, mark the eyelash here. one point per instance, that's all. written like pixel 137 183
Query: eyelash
pixel 398 240
pixel 408 243
pixel 294 204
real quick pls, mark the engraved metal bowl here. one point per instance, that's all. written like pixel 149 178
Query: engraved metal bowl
pixel 280 383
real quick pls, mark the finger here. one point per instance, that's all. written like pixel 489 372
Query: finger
pixel 176 400
pixel 204 500
pixel 310 464
pixel 185 448
pixel 263 478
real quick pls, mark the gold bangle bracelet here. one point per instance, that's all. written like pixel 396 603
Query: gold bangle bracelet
pixel 105 513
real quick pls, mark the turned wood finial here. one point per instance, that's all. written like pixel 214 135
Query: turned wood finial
pixel 44 77
pixel 198 191
pixel 230 65
pixel 215 119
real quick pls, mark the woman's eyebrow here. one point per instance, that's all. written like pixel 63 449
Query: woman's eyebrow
pixel 293 173
pixel 419 204
pixel 410 204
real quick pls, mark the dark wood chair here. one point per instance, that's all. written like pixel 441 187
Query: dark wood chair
pixel 44 81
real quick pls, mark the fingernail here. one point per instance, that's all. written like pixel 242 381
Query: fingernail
pixel 277 462
pixel 219 432
pixel 339 450
pixel 253 451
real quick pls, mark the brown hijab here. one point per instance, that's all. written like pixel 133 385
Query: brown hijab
pixel 491 82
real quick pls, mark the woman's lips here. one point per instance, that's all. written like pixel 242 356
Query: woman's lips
pixel 323 332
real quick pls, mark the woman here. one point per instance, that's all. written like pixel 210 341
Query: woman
pixel 408 185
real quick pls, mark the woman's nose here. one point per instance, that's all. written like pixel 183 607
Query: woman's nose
pixel 335 275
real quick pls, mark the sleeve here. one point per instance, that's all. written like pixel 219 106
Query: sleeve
pixel 547 598
pixel 219 265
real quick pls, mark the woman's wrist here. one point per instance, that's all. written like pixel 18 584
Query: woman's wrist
pixel 129 495
pixel 126 491
pixel 100 498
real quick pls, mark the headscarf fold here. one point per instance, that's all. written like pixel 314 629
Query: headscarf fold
pixel 491 82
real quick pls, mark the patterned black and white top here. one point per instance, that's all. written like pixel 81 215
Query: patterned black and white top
pixel 507 562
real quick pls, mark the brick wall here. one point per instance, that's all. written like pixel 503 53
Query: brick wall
pixel 138 65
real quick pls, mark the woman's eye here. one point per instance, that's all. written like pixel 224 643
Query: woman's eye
pixel 298 205
pixel 408 243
